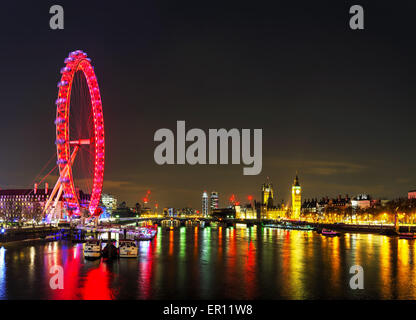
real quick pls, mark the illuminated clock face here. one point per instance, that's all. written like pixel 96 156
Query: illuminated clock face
pixel 297 191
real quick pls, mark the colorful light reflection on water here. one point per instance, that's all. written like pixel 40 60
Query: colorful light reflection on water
pixel 218 263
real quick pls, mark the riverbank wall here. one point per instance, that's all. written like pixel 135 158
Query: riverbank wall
pixel 366 228
pixel 17 235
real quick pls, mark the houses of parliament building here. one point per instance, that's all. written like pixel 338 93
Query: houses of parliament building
pixel 267 208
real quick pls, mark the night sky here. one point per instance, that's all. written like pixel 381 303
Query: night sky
pixel 335 104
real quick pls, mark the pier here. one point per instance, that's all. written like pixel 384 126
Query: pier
pixel 28 233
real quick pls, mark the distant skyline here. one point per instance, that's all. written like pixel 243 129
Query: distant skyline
pixel 336 105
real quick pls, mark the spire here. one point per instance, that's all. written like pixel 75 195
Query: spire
pixel 296 181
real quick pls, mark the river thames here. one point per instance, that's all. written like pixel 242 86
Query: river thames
pixel 218 263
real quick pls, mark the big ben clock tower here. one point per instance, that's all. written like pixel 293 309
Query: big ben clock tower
pixel 296 198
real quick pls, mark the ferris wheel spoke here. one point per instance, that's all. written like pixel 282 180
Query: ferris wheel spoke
pixel 80 142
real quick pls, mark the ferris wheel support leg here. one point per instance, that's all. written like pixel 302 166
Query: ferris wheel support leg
pixel 58 184
pixel 55 203
pixel 55 189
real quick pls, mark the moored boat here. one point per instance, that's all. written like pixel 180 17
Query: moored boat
pixel 128 249
pixel 110 251
pixel 305 227
pixel 92 249
pixel 146 233
pixel 329 233
pixel 288 226
pixel 407 235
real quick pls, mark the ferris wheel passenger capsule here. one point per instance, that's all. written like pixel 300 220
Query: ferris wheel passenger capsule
pixel 60 141
pixel 60 101
pixel 65 69
pixel 59 120
pixel 62 83
pixel 62 161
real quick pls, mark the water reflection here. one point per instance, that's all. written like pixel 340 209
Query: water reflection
pixel 206 263
pixel 146 266
pixel 96 284
pixel 3 294
pixel 385 268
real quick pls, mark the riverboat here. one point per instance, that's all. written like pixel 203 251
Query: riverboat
pixel 128 249
pixel 146 233
pixel 92 249
pixel 329 233
pixel 110 251
pixel 407 235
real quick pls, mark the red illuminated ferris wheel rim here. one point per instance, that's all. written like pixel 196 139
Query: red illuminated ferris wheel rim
pixel 78 61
